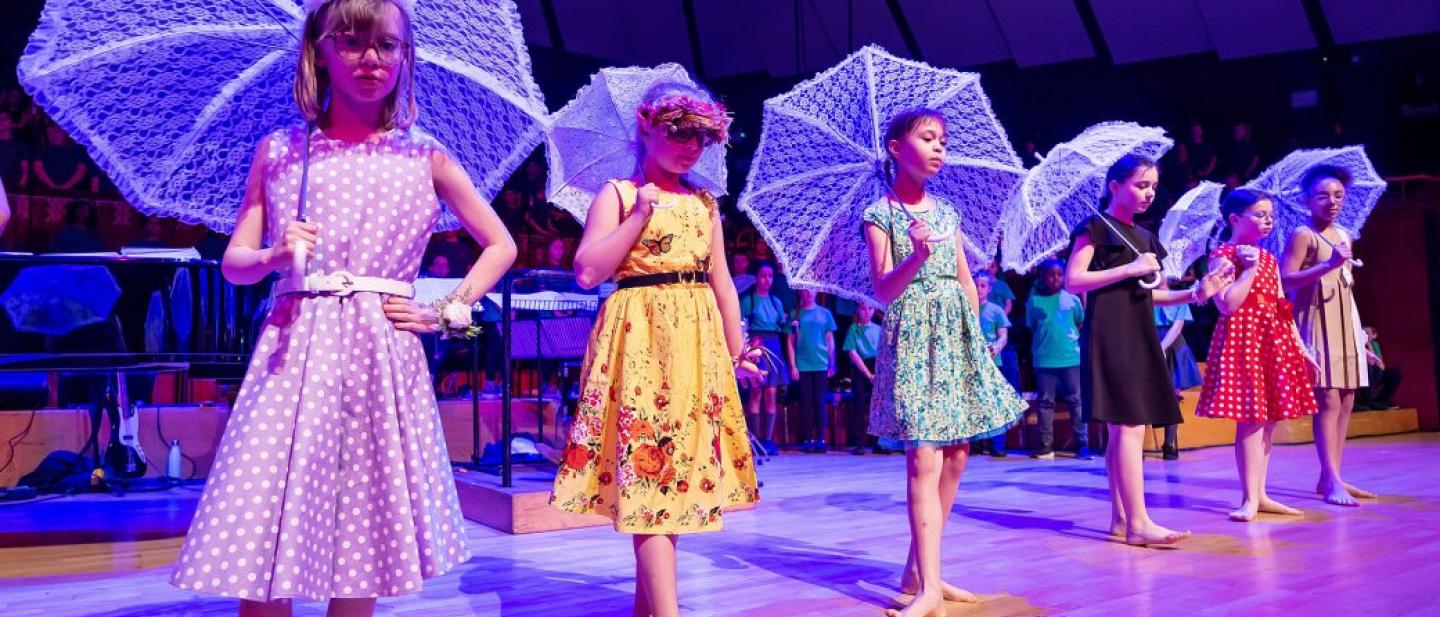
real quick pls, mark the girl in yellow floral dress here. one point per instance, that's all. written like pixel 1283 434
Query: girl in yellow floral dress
pixel 659 442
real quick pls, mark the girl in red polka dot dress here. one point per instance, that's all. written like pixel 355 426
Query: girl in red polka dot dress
pixel 1258 373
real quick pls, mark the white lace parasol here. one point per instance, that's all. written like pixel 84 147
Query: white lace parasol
pixel 1283 181
pixel 818 165
pixel 1065 189
pixel 170 97
pixel 1190 227
pixel 592 139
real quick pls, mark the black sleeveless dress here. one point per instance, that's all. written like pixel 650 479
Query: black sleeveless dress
pixel 1123 375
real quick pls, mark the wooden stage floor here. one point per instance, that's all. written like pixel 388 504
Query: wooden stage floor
pixel 830 537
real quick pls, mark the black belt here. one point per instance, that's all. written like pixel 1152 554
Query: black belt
pixel 663 278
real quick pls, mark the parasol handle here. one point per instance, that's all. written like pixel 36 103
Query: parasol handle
pixel 297 258
pixel 301 247
pixel 1151 284
pixel 658 204
pixel 1354 263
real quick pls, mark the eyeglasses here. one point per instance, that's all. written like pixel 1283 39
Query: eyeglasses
pixel 351 47
pixel 685 135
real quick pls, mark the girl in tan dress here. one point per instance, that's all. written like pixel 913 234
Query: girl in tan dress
pixel 1318 274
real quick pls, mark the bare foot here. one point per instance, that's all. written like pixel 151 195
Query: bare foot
pixel 1270 506
pixel 1154 534
pixel 950 592
pixel 924 605
pixel 1335 494
pixel 1245 513
pixel 1117 526
pixel 1359 493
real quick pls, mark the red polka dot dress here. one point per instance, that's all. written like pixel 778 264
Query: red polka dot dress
pixel 1256 370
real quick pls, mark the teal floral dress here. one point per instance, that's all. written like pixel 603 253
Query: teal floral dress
pixel 935 381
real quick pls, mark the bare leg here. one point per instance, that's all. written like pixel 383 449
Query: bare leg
pixel 1249 449
pixel 952 467
pixel 768 419
pixel 351 607
pixel 1117 512
pixel 752 410
pixel 655 565
pixel 1128 441
pixel 1266 503
pixel 642 603
pixel 922 482
pixel 1327 429
pixel 1347 408
pixel 274 608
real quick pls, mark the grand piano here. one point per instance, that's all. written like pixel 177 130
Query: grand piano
pixel 175 308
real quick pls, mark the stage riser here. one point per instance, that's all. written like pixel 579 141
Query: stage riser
pixel 1205 432
pixel 525 507
pixel 199 429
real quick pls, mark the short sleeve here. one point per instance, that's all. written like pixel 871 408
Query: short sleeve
pixel 1076 306
pixel 878 213
pixel 851 338
pixel 1001 290
pixel 830 325
pixel 1226 252
pixel 1087 229
pixel 951 214
pixel 1182 313
pixel 998 314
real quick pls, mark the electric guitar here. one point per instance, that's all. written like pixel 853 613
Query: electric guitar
pixel 123 455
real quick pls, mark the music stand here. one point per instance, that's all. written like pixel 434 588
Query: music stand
pixel 541 291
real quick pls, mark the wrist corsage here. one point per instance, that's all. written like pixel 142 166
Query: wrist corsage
pixel 455 317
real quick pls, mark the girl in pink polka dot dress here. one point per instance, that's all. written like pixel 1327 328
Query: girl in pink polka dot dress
pixel 332 480
pixel 1257 373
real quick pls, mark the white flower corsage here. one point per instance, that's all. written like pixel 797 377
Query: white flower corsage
pixel 455 318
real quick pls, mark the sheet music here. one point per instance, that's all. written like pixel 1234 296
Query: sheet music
pixel 431 290
pixel 159 252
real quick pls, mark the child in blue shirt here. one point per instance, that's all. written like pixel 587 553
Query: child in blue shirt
pixel 812 364
pixel 861 343
pixel 995 325
pixel 1054 317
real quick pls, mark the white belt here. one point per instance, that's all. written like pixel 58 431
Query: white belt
pixel 343 284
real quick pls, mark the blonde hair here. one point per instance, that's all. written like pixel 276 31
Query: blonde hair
pixel 312 85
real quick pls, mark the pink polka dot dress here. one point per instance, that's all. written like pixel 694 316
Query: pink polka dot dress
pixel 1256 371
pixel 332 478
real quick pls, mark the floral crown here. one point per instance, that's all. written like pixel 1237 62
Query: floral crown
pixel 685 116
pixel 405 5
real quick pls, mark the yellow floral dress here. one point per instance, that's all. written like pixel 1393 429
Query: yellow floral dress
pixel 659 443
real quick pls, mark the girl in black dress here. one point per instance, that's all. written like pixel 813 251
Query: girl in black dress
pixel 1124 378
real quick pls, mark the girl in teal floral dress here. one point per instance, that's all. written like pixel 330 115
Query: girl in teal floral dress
pixel 936 385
